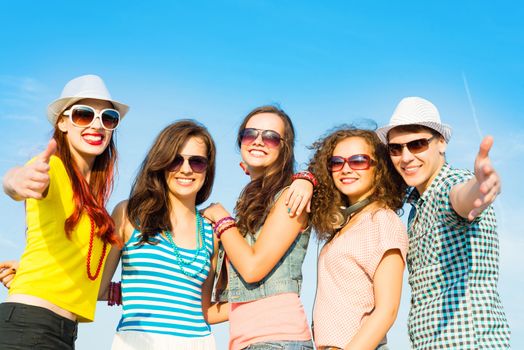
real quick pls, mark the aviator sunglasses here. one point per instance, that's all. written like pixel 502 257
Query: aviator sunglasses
pixel 84 116
pixel 197 163
pixel 355 162
pixel 415 146
pixel 269 137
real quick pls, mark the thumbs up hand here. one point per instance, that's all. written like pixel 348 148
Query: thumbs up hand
pixel 30 180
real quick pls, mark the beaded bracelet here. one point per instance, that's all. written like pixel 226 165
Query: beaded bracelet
pixel 306 175
pixel 224 228
pixel 114 294
pixel 221 221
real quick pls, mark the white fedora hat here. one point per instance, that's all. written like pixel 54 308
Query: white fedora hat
pixel 85 86
pixel 415 111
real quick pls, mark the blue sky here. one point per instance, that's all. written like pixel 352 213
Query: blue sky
pixel 325 63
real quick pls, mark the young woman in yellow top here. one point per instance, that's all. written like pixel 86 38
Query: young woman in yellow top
pixel 69 232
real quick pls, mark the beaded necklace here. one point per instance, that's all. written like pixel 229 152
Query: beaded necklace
pixel 90 251
pixel 200 248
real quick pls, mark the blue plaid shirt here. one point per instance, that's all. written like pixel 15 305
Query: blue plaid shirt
pixel 453 272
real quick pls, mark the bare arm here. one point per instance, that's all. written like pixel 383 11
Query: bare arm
pixel 122 228
pixel 217 312
pixel 469 199
pixel 387 286
pixel 30 180
pixel 278 233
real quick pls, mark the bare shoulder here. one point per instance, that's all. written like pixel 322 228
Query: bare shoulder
pixel 122 225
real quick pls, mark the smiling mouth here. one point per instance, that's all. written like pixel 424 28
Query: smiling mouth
pixel 348 181
pixel 184 181
pixel 257 153
pixel 93 139
pixel 410 170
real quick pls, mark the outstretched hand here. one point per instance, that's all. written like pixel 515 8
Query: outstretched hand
pixel 31 180
pixel 8 272
pixel 487 178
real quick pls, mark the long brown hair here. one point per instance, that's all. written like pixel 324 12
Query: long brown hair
pixel 257 197
pixel 148 208
pixel 389 187
pixel 90 197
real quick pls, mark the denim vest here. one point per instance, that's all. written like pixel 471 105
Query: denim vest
pixel 285 277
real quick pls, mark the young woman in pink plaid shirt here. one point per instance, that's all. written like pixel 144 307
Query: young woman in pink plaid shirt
pixel 361 264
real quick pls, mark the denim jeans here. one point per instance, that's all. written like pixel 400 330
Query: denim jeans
pixel 282 345
pixel 31 327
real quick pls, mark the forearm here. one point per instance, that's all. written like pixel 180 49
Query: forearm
pixel 462 197
pixel 217 313
pixel 373 330
pixel 110 266
pixel 243 256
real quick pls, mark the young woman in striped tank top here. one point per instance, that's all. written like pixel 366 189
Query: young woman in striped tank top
pixel 361 264
pixel 266 251
pixel 168 259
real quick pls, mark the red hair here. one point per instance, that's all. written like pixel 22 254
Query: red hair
pixel 91 197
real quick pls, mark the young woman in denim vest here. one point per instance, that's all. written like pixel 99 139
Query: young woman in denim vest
pixel 361 263
pixel 265 245
pixel 69 232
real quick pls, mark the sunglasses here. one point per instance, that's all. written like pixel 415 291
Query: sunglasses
pixel 84 116
pixel 197 163
pixel 415 146
pixel 269 137
pixel 355 162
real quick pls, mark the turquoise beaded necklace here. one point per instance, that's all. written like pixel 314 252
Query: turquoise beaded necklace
pixel 200 248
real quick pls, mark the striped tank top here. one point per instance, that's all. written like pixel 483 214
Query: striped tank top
pixel 157 295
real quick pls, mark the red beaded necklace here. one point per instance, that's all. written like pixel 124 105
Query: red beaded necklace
pixel 90 251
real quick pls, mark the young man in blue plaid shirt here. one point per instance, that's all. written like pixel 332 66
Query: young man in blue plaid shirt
pixel 453 252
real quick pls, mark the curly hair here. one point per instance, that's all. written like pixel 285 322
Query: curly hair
pixel 257 197
pixel 389 187
pixel 148 208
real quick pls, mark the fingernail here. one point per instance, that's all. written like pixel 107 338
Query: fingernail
pixel 289 210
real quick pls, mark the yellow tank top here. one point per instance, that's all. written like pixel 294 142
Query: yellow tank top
pixel 54 267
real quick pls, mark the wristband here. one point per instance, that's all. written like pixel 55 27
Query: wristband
pixel 114 294
pixel 224 228
pixel 306 175
pixel 221 221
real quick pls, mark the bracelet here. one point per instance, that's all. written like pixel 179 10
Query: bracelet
pixel 221 221
pixel 306 175
pixel 224 228
pixel 114 294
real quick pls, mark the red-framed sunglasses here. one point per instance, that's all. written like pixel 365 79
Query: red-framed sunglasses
pixel 197 163
pixel 355 162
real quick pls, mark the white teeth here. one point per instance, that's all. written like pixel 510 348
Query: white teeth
pixel 256 153
pixel 348 181
pixel 93 137
pixel 185 181
pixel 411 170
